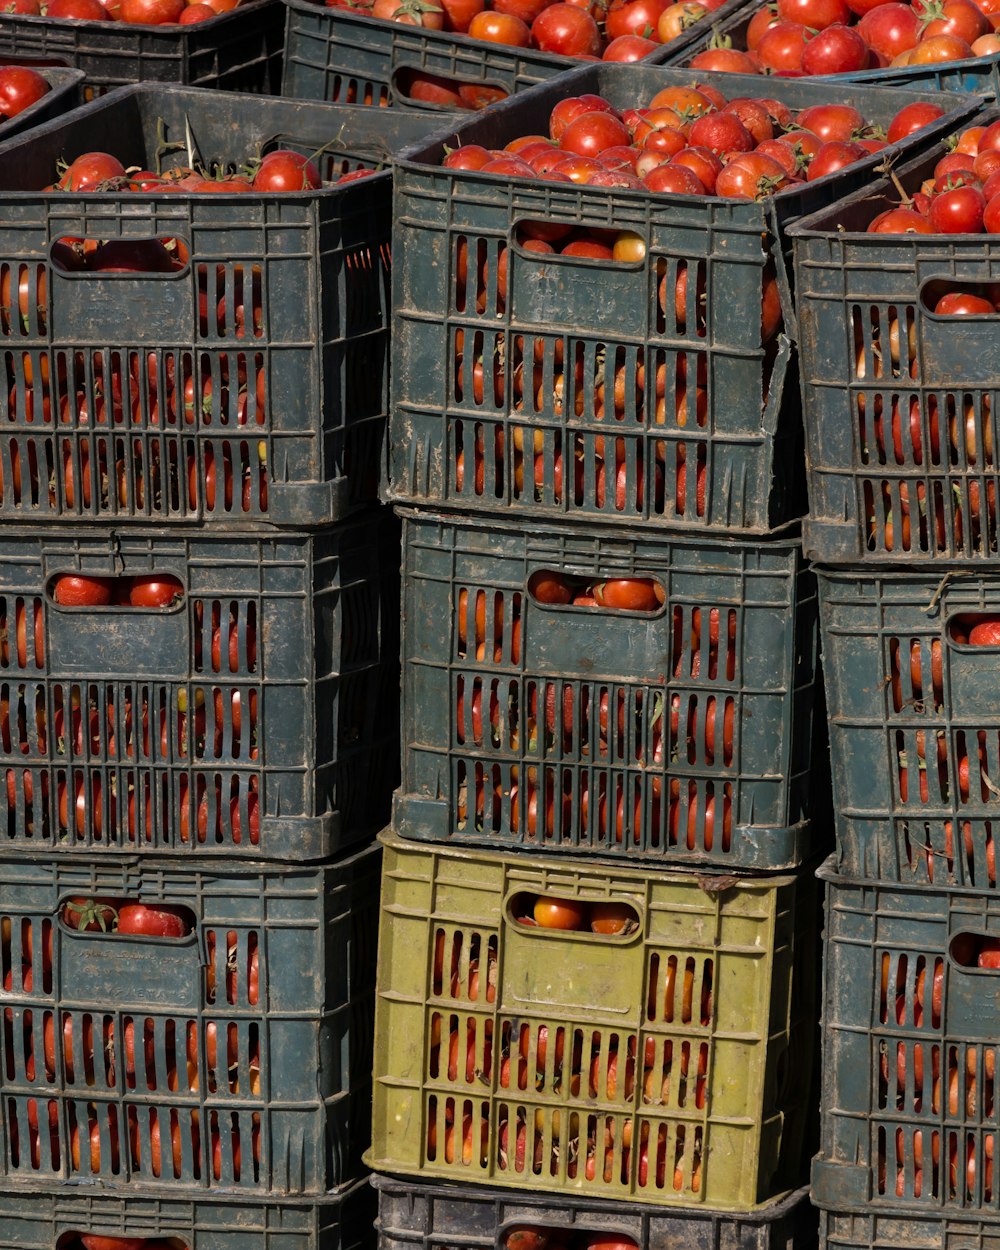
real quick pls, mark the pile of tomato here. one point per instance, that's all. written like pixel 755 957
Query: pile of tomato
pixel 962 196
pixel 692 141
pixel 795 37
pixel 105 1241
pixel 535 1237
pixel 622 30
pixel 134 12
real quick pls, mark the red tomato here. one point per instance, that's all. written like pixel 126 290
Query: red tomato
pixel 79 10
pixel 939 49
pixel 151 12
pixel 160 920
pixel 677 17
pixel 91 169
pixel 591 133
pixel 833 156
pixel 20 87
pixel 782 45
pixel 560 913
pixel 725 61
pixel 673 179
pixel 750 177
pixel 986 632
pixel 815 14
pixel 155 590
pixel 503 28
pixel 628 594
pixel 629 48
pixel 762 21
pixel 611 917
pixel 837 50
pixel 566 29
pixel 900 221
pixel 77 590
pixel 721 133
pixel 991 216
pixel 703 163
pixel 632 17
pixel 890 29
pixel 958 18
pixel 831 121
pixel 958 212
pixel 283 170
pixel 549 587
pixel 912 117
pixel 459 13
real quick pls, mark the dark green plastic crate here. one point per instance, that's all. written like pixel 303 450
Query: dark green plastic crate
pixel 739 470
pixel 882 1113
pixel 298 1128
pixel 936 480
pixel 314 264
pixel 900 730
pixel 157 762
pixel 415 1215
pixel 557 780
pixel 236 51
pixel 334 54
pixel 46 1220
pixel 854 1229
pixel 65 86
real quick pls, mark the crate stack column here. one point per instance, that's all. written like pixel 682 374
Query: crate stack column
pixel 901 421
pixel 198 685
pixel 595 1006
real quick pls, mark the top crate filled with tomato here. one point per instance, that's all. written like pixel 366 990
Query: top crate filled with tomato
pixel 612 341
pixel 952 45
pixel 469 54
pixel 226 44
pixel 203 346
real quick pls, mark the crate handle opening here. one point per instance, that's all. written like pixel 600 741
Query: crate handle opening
pixel 544 914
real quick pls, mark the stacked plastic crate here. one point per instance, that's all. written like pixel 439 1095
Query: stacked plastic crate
pixel 901 415
pixel 596 1004
pixel 198 683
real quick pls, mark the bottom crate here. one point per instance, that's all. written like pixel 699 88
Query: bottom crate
pixel 863 1230
pixel 55 1220
pixel 413 1214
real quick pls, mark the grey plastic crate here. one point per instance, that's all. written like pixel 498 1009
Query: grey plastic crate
pixel 236 51
pixel 264 703
pixel 277 416
pixel 853 1229
pixel 334 54
pixel 530 440
pixel 417 1215
pixel 577 731
pixel 237 1058
pixel 909 1053
pixel 914 720
pixel 902 426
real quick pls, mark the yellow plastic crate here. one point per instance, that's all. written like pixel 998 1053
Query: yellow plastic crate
pixel 671 1064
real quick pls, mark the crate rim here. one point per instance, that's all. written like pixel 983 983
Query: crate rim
pixel 965 105
pixel 204 97
pixel 764 1213
pixel 572 866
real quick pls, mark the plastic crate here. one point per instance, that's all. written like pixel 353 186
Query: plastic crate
pixel 63 94
pixel 914 726
pixel 282 963
pixel 721 1112
pixel 859 1230
pixel 334 54
pixel 236 51
pixel 298 439
pixel 47 1221
pixel 422 1216
pixel 977 75
pixel 734 644
pixel 499 444
pixel 258 717
pixel 908 1118
pixel 883 440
